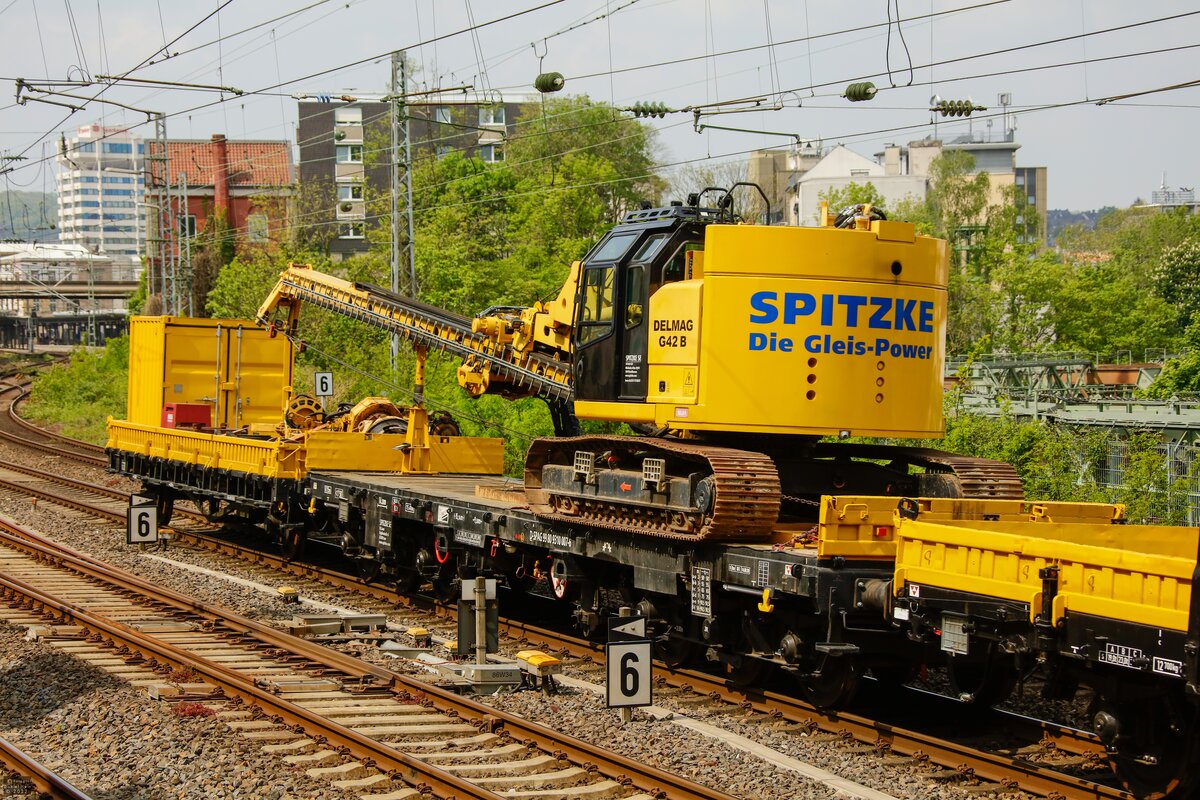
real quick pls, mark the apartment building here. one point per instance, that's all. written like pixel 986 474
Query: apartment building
pixel 345 151
pixel 101 192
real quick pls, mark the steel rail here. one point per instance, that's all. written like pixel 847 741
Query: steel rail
pixel 48 783
pixel 23 392
pixel 996 768
pixel 24 442
pixel 619 768
pixel 992 767
pixel 399 765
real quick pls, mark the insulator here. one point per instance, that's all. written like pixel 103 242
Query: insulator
pixel 549 82
pixel 641 109
pixel 857 92
pixel 957 108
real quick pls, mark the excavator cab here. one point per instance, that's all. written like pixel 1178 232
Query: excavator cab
pixel 619 276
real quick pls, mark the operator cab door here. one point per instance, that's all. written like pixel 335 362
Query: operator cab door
pixel 612 326
pixel 599 343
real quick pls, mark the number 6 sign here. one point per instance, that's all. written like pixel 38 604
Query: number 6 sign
pixel 323 384
pixel 628 674
pixel 143 520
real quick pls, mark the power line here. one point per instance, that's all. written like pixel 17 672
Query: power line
pixel 358 62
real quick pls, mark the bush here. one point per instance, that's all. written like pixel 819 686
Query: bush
pixel 80 396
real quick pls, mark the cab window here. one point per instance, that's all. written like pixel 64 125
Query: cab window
pixel 650 248
pixel 676 268
pixel 614 247
pixel 635 283
pixel 595 314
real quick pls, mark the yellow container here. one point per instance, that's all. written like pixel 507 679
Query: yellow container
pixel 233 366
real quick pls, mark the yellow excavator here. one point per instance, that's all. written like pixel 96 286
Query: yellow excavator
pixel 738 351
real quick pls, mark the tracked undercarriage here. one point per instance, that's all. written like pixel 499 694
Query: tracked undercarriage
pixel 687 490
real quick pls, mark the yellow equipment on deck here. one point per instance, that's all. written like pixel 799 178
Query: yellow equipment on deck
pixel 247 433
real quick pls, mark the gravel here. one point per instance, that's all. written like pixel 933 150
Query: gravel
pixel 222 757
pixel 115 743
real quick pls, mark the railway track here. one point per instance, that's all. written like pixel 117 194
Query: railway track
pixel 361 726
pixel 1004 771
pixel 37 778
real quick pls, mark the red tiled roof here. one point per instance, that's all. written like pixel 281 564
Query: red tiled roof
pixel 250 163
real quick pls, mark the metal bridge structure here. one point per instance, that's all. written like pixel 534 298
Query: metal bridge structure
pixel 28 333
pixel 1084 391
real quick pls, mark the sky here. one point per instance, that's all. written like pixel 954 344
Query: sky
pixel 796 57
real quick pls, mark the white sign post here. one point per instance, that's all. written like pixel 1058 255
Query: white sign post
pixel 323 384
pixel 142 520
pixel 323 388
pixel 628 658
pixel 628 674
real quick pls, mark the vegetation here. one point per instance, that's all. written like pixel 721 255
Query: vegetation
pixel 80 396
pixel 505 234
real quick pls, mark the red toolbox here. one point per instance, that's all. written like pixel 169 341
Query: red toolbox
pixel 187 415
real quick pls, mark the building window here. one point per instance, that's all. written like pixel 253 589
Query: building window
pixel 114 179
pixel 257 228
pixel 859 173
pixel 187 225
pixel 121 148
pixel 349 153
pixel 87 147
pixel 442 114
pixel 350 191
pixel 347 115
pixel 1020 179
pixel 350 230
pixel 491 153
pixel 491 115
pixel 1032 200
pixel 443 150
pixel 87 179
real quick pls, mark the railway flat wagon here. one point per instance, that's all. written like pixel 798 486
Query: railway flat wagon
pixel 1101 604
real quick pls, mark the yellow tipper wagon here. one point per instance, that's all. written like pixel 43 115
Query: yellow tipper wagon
pixel 1099 603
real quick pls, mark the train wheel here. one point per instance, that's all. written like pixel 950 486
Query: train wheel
pixel 368 568
pixel 292 543
pixel 164 504
pixel 408 580
pixel 446 586
pixel 747 672
pixel 1159 747
pixel 982 681
pixel 834 684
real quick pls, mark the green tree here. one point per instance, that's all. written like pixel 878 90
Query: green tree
pixel 1177 278
pixel 547 135
pixel 1180 376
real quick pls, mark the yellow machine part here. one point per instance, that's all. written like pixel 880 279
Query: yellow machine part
pixel 320 450
pixel 1134 573
pixel 177 359
pixel 232 365
pixel 799 330
pixel 268 458
pixel 864 527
